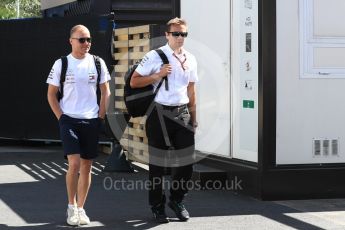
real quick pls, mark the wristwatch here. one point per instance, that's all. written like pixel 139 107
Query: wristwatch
pixel 195 124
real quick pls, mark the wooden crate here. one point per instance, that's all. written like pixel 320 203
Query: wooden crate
pixel 130 45
pixel 134 140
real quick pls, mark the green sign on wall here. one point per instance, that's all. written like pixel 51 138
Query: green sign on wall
pixel 248 104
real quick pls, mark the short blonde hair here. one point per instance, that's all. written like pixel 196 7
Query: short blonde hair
pixel 176 21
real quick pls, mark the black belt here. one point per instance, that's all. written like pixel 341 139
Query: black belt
pixel 172 108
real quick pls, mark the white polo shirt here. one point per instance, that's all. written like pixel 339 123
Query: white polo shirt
pixel 80 88
pixel 179 78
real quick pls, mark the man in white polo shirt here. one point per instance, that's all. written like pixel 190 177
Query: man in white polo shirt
pixel 172 123
pixel 80 117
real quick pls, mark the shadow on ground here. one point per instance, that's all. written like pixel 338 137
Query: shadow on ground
pixel 33 196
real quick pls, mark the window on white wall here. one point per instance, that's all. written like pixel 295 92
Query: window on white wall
pixel 322 31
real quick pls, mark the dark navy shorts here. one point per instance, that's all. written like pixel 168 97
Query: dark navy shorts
pixel 79 136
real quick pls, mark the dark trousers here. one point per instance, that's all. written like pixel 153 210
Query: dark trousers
pixel 179 157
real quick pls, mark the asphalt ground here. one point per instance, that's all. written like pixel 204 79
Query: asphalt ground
pixel 33 196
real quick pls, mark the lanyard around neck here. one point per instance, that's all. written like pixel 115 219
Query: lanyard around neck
pixel 181 62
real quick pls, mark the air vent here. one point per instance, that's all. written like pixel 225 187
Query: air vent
pixel 325 147
pixel 335 147
pixel 317 147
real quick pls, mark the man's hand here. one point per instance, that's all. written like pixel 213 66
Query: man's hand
pixel 165 70
pixel 53 101
pixel 101 125
pixel 59 116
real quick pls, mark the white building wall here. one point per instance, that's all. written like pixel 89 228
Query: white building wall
pixel 244 72
pixel 209 41
pixel 307 109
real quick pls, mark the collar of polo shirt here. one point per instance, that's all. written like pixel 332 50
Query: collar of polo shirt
pixel 171 51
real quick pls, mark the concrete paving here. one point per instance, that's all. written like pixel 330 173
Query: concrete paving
pixel 33 196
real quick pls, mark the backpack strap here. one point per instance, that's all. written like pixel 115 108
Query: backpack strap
pixel 99 71
pixel 64 65
pixel 165 61
pixel 163 56
pixel 159 108
pixel 98 67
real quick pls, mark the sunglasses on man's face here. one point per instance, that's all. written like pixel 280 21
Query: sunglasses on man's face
pixel 83 40
pixel 177 34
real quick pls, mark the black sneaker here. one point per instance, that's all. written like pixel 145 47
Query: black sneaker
pixel 159 214
pixel 179 209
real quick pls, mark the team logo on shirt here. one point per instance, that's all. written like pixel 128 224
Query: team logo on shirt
pixel 92 77
pixel 70 79
pixel 145 59
pixel 51 73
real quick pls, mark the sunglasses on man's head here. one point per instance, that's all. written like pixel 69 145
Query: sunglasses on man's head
pixel 177 34
pixel 83 40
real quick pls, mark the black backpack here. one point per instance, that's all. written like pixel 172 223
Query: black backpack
pixel 63 75
pixel 138 100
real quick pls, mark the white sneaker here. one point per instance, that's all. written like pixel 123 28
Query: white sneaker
pixel 83 218
pixel 72 216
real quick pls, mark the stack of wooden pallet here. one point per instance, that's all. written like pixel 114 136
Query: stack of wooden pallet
pixel 134 140
pixel 131 44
